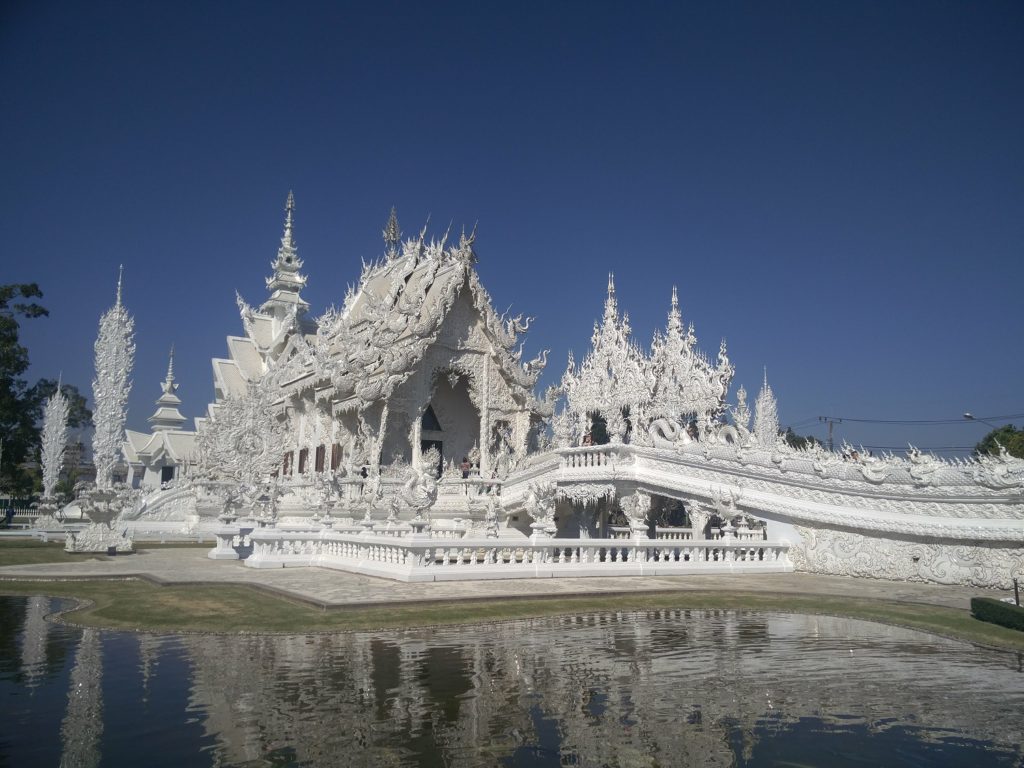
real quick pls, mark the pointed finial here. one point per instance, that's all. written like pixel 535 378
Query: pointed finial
pixel 120 276
pixel 170 365
pixel 392 234
pixel 766 376
pixel 675 299
pixel 289 220
pixel 611 283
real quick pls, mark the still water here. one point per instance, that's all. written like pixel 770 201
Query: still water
pixel 655 688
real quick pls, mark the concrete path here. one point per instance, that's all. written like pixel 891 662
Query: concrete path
pixel 335 589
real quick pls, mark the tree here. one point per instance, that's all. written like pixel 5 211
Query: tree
pixel 800 442
pixel 20 406
pixel 79 415
pixel 1008 436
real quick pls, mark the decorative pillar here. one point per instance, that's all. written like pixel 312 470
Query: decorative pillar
pixel 699 517
pixel 485 417
pixel 417 440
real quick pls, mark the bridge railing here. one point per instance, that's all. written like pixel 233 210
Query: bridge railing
pixel 420 558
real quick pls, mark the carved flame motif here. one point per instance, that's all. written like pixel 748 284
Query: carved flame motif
pixel 237 444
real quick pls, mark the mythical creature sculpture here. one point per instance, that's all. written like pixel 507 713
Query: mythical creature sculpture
pixel 420 490
pixel 540 505
pixel 1002 471
pixel 923 466
pixel 636 507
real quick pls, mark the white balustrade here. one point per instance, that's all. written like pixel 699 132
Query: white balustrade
pixel 422 558
pixel 673 534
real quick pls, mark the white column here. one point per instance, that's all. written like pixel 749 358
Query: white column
pixel 417 438
pixel 485 417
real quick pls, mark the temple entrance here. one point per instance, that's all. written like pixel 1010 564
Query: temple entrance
pixel 450 422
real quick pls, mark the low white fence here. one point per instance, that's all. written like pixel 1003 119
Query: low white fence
pixel 417 557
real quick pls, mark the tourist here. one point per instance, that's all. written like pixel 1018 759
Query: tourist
pixel 465 466
pixel 8 516
pixel 588 439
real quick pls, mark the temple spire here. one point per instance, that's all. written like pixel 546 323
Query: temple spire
pixel 167 416
pixel 766 416
pixel 287 241
pixel 120 277
pixel 611 306
pixel 170 370
pixel 286 282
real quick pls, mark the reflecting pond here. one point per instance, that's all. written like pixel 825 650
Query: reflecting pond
pixel 698 687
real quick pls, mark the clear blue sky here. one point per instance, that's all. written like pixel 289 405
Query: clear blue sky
pixel 837 189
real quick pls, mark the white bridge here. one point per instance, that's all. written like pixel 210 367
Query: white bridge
pixel 799 511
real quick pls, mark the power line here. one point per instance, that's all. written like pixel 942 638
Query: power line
pixel 924 422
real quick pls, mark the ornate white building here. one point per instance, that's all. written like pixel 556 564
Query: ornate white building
pixel 158 458
pixel 401 435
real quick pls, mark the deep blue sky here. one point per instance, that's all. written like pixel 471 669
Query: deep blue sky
pixel 838 189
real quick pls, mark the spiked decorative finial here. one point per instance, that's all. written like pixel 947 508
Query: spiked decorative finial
pixel 287 240
pixel 611 284
pixel 170 365
pixel 392 235
pixel 675 299
pixel 120 276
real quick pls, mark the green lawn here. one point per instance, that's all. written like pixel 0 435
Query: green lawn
pixel 31 551
pixel 134 604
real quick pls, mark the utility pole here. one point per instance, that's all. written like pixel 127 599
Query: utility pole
pixel 831 423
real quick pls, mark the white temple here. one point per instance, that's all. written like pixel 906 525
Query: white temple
pixel 402 436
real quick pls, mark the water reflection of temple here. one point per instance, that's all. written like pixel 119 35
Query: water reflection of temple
pixel 674 686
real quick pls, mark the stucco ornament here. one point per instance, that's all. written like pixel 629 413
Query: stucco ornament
pixel 699 517
pixel 54 440
pixel 103 507
pixel 636 507
pixel 741 413
pixel 766 417
pixel 923 466
pixel 686 385
pixel 238 446
pixel 614 377
pixel 1002 471
pixel 666 433
pixel 492 513
pixel 420 490
pixel 540 505
pixel 846 553
pixel 115 354
pixel 726 503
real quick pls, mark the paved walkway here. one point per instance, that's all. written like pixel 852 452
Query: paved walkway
pixel 335 589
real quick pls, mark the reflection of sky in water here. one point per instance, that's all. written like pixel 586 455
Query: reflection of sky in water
pixel 656 688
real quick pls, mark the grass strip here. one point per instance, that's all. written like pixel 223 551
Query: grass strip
pixel 33 552
pixel 139 605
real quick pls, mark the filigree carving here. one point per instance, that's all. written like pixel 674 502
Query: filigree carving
pixel 115 355
pixel 54 440
pixel 850 554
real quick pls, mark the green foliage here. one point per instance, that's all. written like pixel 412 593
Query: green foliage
pixel 1011 438
pixel 19 406
pixel 800 442
pixel 997 612
pixel 79 415
pixel 22 404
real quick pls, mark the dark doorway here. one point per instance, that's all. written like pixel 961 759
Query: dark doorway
pixel 166 474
